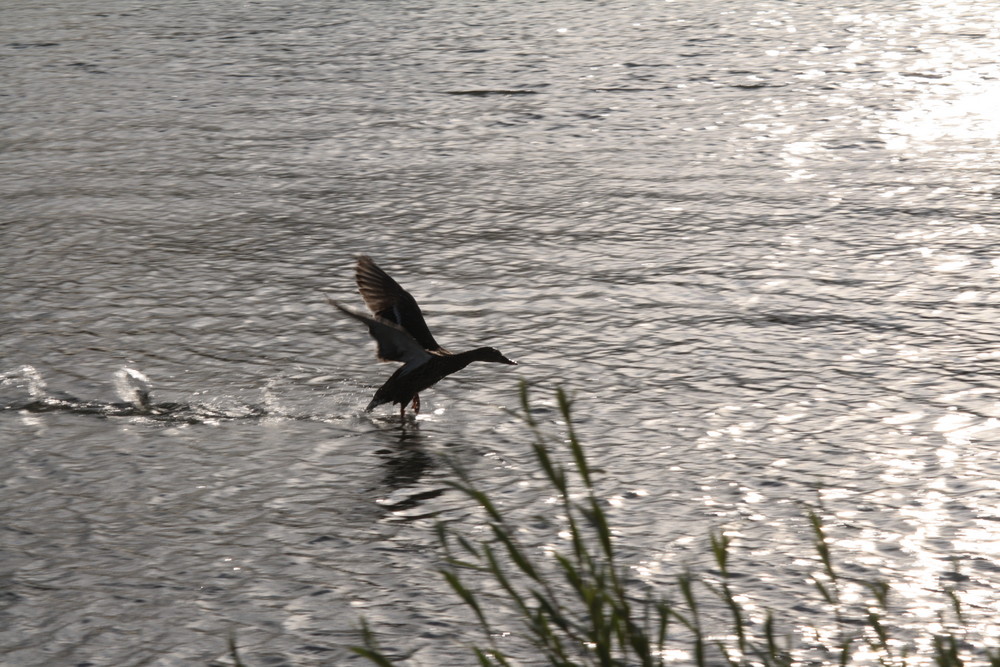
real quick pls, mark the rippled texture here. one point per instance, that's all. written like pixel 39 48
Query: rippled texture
pixel 756 240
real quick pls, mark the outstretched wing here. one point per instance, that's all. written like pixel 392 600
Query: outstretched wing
pixel 390 302
pixel 394 344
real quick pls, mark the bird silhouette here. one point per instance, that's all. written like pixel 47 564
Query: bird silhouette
pixel 401 334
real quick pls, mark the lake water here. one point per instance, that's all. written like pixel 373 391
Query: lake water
pixel 756 241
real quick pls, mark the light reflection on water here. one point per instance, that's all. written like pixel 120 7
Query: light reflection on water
pixel 757 242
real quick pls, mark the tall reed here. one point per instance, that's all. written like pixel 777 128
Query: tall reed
pixel 578 607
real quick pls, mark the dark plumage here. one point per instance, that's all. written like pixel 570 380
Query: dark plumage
pixel 401 334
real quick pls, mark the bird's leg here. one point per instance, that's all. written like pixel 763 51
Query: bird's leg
pixel 416 403
pixel 402 412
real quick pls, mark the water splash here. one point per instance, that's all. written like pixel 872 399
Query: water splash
pixel 271 405
pixel 36 386
pixel 133 387
pixel 134 391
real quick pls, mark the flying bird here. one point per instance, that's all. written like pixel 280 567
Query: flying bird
pixel 401 334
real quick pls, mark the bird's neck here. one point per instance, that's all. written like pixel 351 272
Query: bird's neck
pixel 463 359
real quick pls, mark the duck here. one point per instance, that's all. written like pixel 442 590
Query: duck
pixel 401 334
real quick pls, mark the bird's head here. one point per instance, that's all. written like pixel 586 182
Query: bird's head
pixel 494 355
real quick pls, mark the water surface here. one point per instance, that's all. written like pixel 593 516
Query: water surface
pixel 755 240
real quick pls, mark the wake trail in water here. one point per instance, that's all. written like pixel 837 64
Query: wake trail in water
pixel 134 389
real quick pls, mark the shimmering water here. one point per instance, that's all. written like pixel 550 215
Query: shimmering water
pixel 756 240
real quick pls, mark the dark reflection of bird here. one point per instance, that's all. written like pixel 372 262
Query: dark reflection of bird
pixel 401 334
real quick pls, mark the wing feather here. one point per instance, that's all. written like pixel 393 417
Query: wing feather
pixel 394 343
pixel 390 302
